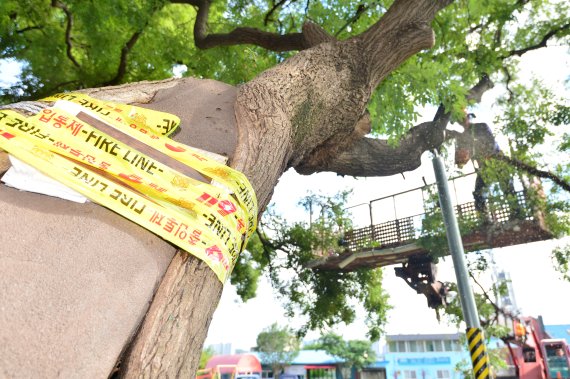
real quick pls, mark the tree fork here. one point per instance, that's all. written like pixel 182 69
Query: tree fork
pixel 344 74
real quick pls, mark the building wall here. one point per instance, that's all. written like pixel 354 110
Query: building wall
pixel 221 348
pixel 427 356
pixel 436 365
pixel 373 374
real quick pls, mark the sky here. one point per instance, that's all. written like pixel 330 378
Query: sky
pixel 9 70
pixel 538 288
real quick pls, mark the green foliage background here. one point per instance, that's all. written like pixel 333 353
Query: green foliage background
pixel 353 353
pixel 277 346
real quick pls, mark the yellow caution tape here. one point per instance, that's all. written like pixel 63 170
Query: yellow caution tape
pixel 210 221
pixel 159 122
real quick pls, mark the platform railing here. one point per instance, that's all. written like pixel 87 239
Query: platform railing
pixel 498 210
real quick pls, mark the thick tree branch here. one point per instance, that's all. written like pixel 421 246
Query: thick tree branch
pixel 244 35
pixel 269 41
pixel 69 26
pixel 375 157
pixel 403 31
pixel 476 92
pixel 411 18
pixel 314 35
pixel 542 43
pixel 534 171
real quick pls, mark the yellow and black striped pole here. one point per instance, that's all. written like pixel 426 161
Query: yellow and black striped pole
pixel 477 349
pixel 478 352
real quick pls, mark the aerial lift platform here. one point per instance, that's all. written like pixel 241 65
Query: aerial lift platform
pixel 397 241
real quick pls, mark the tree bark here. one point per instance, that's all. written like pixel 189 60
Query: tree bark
pixel 170 340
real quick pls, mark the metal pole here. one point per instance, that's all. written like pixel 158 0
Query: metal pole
pixel 475 339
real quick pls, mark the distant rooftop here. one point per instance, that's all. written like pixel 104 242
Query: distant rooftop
pixel 422 337
pixel 315 357
pixel 310 357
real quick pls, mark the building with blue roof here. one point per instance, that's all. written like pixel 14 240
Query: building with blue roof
pixel 404 356
pixel 314 364
pixel 413 356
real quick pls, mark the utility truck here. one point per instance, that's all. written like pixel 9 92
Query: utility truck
pixel 533 354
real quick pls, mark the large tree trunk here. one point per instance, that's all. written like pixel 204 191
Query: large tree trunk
pixel 308 109
pixel 308 106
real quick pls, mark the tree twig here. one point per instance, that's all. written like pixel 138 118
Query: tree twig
pixel 508 82
pixel 28 28
pixel 542 43
pixel 534 171
pixel 272 10
pixel 498 310
pixel 69 26
pixel 123 60
pixel 359 11
pixel 122 69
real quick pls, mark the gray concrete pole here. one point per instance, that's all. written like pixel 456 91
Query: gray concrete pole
pixel 455 246
pixel 474 334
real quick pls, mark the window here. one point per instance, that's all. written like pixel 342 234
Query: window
pixel 421 346
pixel 430 346
pixel 410 374
pixel 392 347
pixel 413 346
pixel 402 346
pixel 456 346
pixel 442 374
pixel 438 345
pixel 447 345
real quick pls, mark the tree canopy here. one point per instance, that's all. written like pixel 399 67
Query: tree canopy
pixel 277 346
pixel 353 353
pixel 65 45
